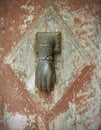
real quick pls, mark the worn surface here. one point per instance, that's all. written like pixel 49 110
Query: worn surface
pixel 75 103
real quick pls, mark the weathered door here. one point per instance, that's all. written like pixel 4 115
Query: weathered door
pixel 75 102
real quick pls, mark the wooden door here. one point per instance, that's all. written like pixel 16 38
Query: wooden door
pixel 75 102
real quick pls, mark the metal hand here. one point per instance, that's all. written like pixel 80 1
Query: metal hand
pixel 45 75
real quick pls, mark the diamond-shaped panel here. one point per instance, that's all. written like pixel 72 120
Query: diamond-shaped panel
pixel 68 64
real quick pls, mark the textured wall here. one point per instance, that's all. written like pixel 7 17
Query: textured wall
pixel 75 102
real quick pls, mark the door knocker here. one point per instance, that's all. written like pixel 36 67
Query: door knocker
pixel 47 45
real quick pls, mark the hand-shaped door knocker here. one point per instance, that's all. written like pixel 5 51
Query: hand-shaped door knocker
pixel 47 44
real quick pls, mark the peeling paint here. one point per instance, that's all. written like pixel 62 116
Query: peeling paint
pixel 75 102
pixel 1 21
pixel 17 121
pixel 1 49
pixel 28 8
pixel 27 18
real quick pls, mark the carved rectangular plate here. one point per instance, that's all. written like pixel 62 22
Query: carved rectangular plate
pixel 41 36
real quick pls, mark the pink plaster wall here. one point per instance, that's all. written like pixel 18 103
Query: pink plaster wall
pixel 75 102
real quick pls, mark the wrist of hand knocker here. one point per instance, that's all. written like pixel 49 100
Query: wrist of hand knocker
pixel 45 72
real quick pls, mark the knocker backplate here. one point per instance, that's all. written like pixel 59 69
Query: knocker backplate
pixel 56 36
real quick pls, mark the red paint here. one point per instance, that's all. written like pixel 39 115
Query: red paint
pixel 13 17
pixel 68 96
pixel 77 22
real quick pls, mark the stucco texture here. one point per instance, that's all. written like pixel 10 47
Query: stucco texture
pixel 75 102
